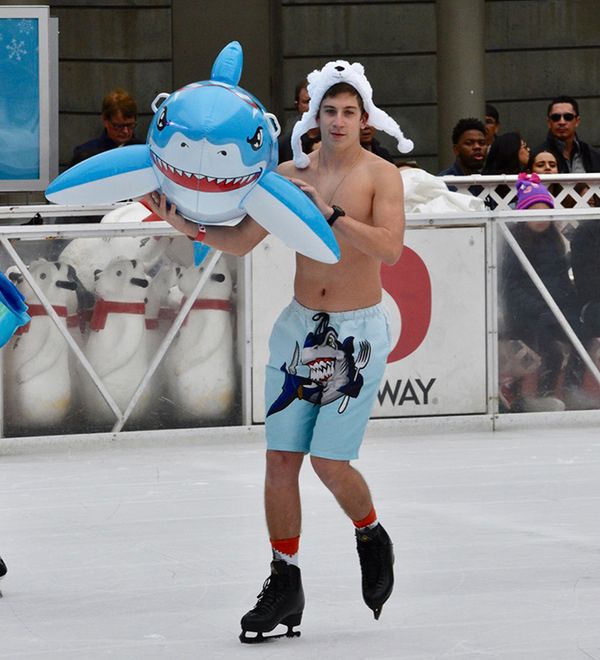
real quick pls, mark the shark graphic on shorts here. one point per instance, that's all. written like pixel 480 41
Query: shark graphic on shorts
pixel 333 369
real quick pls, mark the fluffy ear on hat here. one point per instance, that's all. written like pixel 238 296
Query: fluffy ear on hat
pixel 301 160
pixel 383 122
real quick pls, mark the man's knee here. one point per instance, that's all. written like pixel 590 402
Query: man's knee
pixel 328 470
pixel 283 465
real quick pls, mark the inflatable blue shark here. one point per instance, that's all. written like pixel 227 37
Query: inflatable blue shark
pixel 212 149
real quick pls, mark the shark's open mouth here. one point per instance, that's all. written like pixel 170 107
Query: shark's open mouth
pixel 202 183
pixel 321 369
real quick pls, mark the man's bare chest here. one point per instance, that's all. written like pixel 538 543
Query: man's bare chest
pixel 352 192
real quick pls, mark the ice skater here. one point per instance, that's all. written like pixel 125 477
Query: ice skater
pixel 328 348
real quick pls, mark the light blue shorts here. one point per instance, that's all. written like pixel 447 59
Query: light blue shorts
pixel 322 378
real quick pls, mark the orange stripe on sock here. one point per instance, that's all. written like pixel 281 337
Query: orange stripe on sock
pixel 368 520
pixel 286 546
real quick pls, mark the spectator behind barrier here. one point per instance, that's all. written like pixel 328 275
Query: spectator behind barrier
pixel 369 142
pixel 469 146
pixel 492 123
pixel 311 139
pixel 573 154
pixel 527 317
pixel 542 161
pixel 509 154
pixel 585 254
pixel 119 117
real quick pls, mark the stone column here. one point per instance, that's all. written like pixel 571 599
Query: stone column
pixel 460 68
pixel 201 29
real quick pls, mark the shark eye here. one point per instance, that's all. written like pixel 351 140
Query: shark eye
pixel 43 276
pixel 119 273
pixel 330 340
pixel 162 120
pixel 256 140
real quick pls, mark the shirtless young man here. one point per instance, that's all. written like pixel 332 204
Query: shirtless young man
pixel 336 314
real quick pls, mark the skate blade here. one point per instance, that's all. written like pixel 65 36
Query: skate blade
pixel 261 639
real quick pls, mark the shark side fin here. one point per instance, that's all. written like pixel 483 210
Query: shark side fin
pixel 112 176
pixel 228 65
pixel 286 212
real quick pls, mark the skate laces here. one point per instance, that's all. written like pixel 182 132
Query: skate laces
pixel 269 595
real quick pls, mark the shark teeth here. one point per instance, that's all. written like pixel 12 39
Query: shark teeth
pixel 197 180
pixel 321 369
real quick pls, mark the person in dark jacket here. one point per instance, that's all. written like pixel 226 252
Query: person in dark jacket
pixel 119 117
pixel 527 315
pixel 311 139
pixel 469 146
pixel 573 154
pixel 369 142
pixel 585 258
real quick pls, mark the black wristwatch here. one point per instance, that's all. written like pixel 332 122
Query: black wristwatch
pixel 337 212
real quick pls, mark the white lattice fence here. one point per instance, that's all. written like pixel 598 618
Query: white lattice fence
pixel 569 190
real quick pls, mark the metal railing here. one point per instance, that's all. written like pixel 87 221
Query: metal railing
pixel 14 234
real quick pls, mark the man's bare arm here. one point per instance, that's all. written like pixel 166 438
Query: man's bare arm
pixel 237 240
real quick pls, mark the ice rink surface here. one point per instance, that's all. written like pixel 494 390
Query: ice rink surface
pixel 155 549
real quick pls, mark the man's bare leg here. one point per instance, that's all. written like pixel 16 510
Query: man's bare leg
pixel 374 546
pixel 282 597
pixel 346 484
pixel 282 494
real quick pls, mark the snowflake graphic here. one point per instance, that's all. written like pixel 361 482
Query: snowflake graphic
pixel 16 50
pixel 25 26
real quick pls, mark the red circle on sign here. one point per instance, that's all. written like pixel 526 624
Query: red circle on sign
pixel 409 284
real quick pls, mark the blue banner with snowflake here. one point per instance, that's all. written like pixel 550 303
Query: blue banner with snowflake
pixel 19 99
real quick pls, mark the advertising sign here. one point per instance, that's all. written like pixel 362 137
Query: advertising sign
pixel 435 299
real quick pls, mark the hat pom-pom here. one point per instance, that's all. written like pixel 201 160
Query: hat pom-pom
pixel 531 178
pixel 525 179
pixel 301 160
pixel 405 145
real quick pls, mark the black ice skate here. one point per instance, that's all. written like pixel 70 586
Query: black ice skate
pixel 2 571
pixel 376 555
pixel 280 601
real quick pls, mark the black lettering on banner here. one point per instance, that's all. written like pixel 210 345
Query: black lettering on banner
pixel 398 394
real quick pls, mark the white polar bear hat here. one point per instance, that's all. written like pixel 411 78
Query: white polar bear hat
pixel 319 82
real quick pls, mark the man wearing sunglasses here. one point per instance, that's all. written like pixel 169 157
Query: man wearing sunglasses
pixel 572 154
pixel 119 117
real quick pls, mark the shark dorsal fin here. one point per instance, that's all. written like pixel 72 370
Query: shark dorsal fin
pixel 228 65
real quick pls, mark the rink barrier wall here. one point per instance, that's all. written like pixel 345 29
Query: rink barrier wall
pixel 493 224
